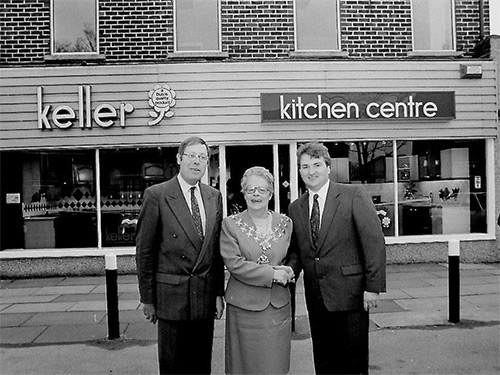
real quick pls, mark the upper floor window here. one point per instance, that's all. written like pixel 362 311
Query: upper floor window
pixel 74 27
pixel 433 25
pixel 197 26
pixel 317 25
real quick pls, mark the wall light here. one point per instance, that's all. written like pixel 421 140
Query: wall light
pixel 471 71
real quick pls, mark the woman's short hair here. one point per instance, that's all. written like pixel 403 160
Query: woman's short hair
pixel 258 171
pixel 315 150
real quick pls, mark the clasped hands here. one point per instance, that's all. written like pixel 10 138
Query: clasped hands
pixel 283 275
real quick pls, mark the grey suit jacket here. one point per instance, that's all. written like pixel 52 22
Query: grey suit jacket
pixel 176 271
pixel 250 285
pixel 350 257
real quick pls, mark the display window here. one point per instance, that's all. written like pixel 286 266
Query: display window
pixel 92 198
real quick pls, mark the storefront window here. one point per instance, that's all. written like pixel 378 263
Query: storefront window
pixel 125 174
pixel 441 187
pixel 58 199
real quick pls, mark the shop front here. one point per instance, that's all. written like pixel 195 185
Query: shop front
pixel 80 144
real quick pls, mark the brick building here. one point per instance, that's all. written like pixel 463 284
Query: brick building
pixel 96 95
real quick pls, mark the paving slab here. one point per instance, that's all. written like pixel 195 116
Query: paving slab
pixel 15 292
pixel 28 299
pixel 65 318
pixel 72 289
pixel 83 280
pixel 80 297
pixel 480 289
pixel 72 333
pixel 141 331
pixel 14 320
pixel 20 335
pixel 436 291
pixel 34 283
pixel 37 307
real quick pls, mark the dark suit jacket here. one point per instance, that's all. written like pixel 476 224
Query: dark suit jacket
pixel 178 273
pixel 350 257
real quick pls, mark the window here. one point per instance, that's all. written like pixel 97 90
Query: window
pixel 197 26
pixel 74 27
pixel 431 188
pixel 433 25
pixel 316 25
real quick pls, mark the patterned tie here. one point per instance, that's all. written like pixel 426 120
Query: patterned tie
pixel 195 209
pixel 315 218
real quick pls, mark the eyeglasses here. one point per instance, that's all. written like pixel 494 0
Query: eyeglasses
pixel 252 189
pixel 192 157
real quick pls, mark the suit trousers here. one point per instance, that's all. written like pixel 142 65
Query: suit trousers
pixel 340 341
pixel 185 346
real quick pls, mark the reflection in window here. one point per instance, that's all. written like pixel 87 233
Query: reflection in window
pixel 433 25
pixel 197 25
pixel 74 25
pixel 59 199
pixel 125 174
pixel 316 26
pixel 444 189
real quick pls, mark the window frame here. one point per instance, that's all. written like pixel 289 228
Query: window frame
pixel 53 36
pixel 316 51
pixel 453 32
pixel 203 51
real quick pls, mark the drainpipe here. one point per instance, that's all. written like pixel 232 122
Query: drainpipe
pixel 481 20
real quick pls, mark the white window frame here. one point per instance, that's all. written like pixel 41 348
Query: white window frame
pixel 339 46
pixel 53 37
pixel 453 31
pixel 219 32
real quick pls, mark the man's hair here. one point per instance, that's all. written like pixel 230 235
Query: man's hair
pixel 315 150
pixel 192 141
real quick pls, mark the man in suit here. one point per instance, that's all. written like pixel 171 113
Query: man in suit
pixel 339 244
pixel 179 265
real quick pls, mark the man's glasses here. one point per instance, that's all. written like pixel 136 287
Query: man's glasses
pixel 192 157
pixel 252 189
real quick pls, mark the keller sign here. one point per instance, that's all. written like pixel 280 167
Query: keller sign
pixel 357 106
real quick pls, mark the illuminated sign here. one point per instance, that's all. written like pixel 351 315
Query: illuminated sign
pixel 357 106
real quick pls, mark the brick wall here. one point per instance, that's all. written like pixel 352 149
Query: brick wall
pixel 257 29
pixel 142 31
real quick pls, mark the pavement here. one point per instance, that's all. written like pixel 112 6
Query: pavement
pixel 59 326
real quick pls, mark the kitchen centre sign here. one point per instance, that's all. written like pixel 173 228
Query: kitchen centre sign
pixel 357 106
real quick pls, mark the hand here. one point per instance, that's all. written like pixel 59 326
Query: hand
pixel 149 311
pixel 289 271
pixel 219 304
pixel 370 300
pixel 281 276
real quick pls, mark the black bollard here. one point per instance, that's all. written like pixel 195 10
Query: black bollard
pixel 112 297
pixel 454 281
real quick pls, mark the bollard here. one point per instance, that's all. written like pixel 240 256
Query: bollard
pixel 112 296
pixel 454 281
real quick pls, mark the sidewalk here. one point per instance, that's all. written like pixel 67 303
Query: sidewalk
pixel 38 314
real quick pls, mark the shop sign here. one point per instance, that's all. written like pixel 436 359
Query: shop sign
pixel 161 99
pixel 64 116
pixel 357 106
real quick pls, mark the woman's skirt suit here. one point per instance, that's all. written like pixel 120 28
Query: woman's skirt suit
pixel 258 315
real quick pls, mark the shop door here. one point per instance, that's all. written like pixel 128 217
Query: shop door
pixel 11 219
pixel 274 158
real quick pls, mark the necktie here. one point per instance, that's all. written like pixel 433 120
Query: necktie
pixel 315 218
pixel 195 210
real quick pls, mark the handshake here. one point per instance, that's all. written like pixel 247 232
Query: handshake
pixel 283 275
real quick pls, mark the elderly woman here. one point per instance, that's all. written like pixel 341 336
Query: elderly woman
pixel 253 246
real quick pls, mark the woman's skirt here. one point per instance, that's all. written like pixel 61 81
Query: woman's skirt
pixel 258 342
